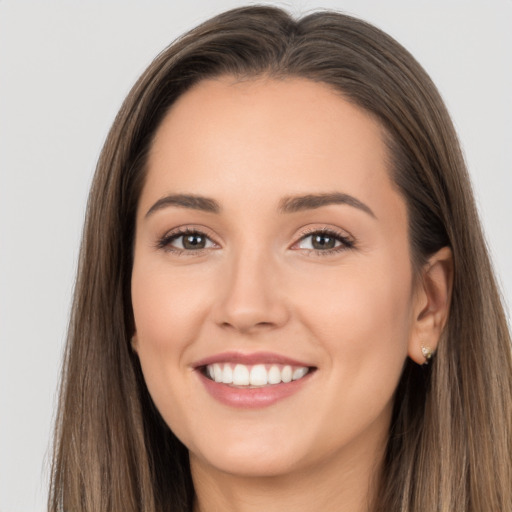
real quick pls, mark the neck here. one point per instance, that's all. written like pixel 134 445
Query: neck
pixel 346 482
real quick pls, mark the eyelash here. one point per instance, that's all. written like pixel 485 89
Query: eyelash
pixel 345 242
pixel 166 241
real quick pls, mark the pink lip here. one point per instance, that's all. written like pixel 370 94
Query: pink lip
pixel 248 359
pixel 250 398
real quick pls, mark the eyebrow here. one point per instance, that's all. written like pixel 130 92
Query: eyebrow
pixel 313 201
pixel 291 204
pixel 192 202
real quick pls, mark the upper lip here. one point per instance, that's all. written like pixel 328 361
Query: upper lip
pixel 249 359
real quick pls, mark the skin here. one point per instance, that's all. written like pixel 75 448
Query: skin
pixel 355 314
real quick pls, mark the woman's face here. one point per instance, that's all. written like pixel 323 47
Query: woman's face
pixel 271 245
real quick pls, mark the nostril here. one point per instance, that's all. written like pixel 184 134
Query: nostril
pixel 245 325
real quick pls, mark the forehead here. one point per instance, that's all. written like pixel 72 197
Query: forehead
pixel 226 139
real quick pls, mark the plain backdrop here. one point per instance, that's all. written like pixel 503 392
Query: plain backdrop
pixel 65 67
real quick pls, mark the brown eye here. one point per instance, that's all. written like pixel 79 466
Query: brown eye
pixel 186 241
pixel 193 241
pixel 322 242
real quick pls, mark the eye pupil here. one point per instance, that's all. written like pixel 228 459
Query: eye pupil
pixel 194 241
pixel 323 242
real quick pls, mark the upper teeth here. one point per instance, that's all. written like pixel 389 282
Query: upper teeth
pixel 256 375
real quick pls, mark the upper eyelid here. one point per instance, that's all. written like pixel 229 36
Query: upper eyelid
pixel 189 228
pixel 164 241
pixel 347 241
pixel 327 230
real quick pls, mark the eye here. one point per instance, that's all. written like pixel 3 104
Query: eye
pixel 325 241
pixel 188 240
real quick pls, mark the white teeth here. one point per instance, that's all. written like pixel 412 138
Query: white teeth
pixel 241 375
pixel 274 375
pixel 256 376
pixel 227 374
pixel 217 373
pixel 286 374
pixel 299 373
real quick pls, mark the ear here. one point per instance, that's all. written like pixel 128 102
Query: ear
pixel 431 305
pixel 134 342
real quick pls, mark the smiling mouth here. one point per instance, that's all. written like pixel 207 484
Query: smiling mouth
pixel 254 376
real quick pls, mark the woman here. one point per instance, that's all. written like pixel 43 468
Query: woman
pixel 284 297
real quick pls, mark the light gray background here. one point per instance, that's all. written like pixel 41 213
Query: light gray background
pixel 65 68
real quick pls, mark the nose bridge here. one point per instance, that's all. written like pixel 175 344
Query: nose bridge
pixel 251 298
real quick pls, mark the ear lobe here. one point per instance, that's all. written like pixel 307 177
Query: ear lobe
pixel 432 305
pixel 134 342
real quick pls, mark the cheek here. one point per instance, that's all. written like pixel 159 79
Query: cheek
pixel 169 307
pixel 167 304
pixel 362 317
pixel 355 298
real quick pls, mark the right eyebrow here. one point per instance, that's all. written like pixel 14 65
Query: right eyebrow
pixel 193 202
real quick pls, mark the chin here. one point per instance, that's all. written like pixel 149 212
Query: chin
pixel 249 463
pixel 268 454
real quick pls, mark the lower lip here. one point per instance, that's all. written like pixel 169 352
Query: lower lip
pixel 251 398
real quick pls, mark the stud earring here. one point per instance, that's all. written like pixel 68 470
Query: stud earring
pixel 427 353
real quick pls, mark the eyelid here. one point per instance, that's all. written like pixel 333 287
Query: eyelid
pixel 347 240
pixel 165 240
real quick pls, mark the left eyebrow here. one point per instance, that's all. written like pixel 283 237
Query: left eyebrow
pixel 313 201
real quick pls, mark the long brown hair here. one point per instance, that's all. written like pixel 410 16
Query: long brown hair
pixel 450 440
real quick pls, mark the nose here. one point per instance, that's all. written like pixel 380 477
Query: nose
pixel 251 298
